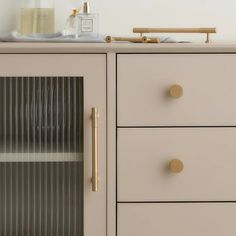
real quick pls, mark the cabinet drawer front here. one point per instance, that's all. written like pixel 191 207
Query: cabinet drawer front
pixel 145 82
pixel 177 219
pixel 208 156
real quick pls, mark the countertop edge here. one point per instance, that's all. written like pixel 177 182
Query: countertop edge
pixel 60 48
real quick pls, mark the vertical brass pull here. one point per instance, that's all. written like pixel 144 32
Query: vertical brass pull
pixel 95 149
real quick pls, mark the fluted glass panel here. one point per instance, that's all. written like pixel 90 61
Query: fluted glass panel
pixel 41 156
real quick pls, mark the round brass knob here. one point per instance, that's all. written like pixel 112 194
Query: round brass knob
pixel 176 91
pixel 176 166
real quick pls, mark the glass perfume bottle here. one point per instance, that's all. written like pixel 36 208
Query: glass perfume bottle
pixel 72 23
pixel 37 17
pixel 87 23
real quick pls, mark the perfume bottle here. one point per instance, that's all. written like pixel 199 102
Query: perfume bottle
pixel 72 23
pixel 87 23
pixel 37 17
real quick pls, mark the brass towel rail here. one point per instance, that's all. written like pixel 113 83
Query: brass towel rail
pixel 206 31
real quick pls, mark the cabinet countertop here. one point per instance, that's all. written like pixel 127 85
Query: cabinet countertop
pixel 7 48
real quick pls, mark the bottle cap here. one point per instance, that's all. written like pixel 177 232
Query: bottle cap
pixel 86 8
pixel 75 12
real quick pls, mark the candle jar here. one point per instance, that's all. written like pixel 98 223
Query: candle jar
pixel 37 17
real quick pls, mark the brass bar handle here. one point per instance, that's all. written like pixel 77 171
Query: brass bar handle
pixel 175 30
pixel 206 31
pixel 95 179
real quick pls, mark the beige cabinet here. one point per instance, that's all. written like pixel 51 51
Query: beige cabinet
pixel 117 139
pixel 176 144
pixel 50 142
pixel 144 158
pixel 146 88
pixel 181 219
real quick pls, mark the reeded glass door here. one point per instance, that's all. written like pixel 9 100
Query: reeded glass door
pixel 45 134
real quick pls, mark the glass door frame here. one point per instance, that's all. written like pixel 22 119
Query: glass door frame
pixel 92 67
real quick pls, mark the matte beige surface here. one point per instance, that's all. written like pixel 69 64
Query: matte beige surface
pixel 208 82
pixel 214 219
pixel 93 69
pixel 111 144
pixel 208 155
pixel 117 48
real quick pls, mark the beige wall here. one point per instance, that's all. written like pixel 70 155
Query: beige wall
pixel 119 16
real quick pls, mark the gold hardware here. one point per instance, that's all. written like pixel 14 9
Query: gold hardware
pixel 176 166
pixel 75 12
pixel 176 91
pixel 208 38
pixel 110 39
pixel 95 149
pixel 206 31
